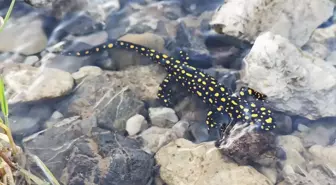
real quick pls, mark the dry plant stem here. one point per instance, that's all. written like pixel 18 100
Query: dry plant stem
pixel 10 137
pixel 5 158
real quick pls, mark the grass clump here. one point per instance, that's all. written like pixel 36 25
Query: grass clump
pixel 10 154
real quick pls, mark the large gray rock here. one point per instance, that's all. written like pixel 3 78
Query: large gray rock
pixel 294 80
pixel 293 19
pixel 77 153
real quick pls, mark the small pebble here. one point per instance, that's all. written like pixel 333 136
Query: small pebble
pixel 136 124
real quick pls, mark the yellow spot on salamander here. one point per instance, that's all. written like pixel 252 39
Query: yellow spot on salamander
pixel 152 50
pixel 199 80
pixel 183 71
pixel 121 43
pixel 253 105
pixel 110 45
pixel 223 99
pixel 233 102
pixel 204 83
pixel 164 56
pixel 254 115
pixel 269 120
pixel 203 75
pixel 241 106
pixel 246 117
pixel 246 110
pixel 189 75
pixel 157 56
pixel 177 61
pixel 191 67
pixel 143 49
pixel 78 54
pixel 216 94
pixel 131 46
pixel 241 93
pixel 211 89
pixel 219 108
pixel 222 89
pixel 199 93
pixel 210 100
pixel 167 62
pixel 209 113
pixel 262 108
pixel 86 52
pixel 207 122
pixel 97 49
pixel 249 91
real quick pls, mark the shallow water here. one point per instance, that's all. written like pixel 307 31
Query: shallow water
pixel 95 118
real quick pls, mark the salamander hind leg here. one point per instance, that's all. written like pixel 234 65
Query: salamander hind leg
pixel 165 92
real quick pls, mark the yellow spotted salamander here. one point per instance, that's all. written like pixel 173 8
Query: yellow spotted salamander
pixel 219 98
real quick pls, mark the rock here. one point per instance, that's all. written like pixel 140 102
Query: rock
pixel 28 84
pixel 156 137
pixel 270 173
pixel 327 155
pixel 27 119
pixel 290 77
pixel 102 93
pixel 246 147
pixel 86 71
pixel 76 153
pixel 322 42
pixel 163 117
pixel 136 124
pixel 317 135
pixel 199 6
pixel 294 151
pixel 246 20
pixel 182 163
pixel 125 58
pixel 24 35
pixel 31 60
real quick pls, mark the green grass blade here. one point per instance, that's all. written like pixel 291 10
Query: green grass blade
pixel 3 100
pixel 8 14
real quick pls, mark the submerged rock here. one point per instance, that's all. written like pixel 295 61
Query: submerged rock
pixel 291 78
pixel 292 19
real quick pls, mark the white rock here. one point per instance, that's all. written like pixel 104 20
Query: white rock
pixel 162 116
pixel 295 80
pixel 184 163
pixel 136 124
pixel 293 19
pixel 322 42
pixel 31 84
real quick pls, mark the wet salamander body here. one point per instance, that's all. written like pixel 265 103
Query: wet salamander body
pixel 219 98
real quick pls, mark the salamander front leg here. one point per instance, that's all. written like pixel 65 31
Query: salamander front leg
pixel 246 91
pixel 165 91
